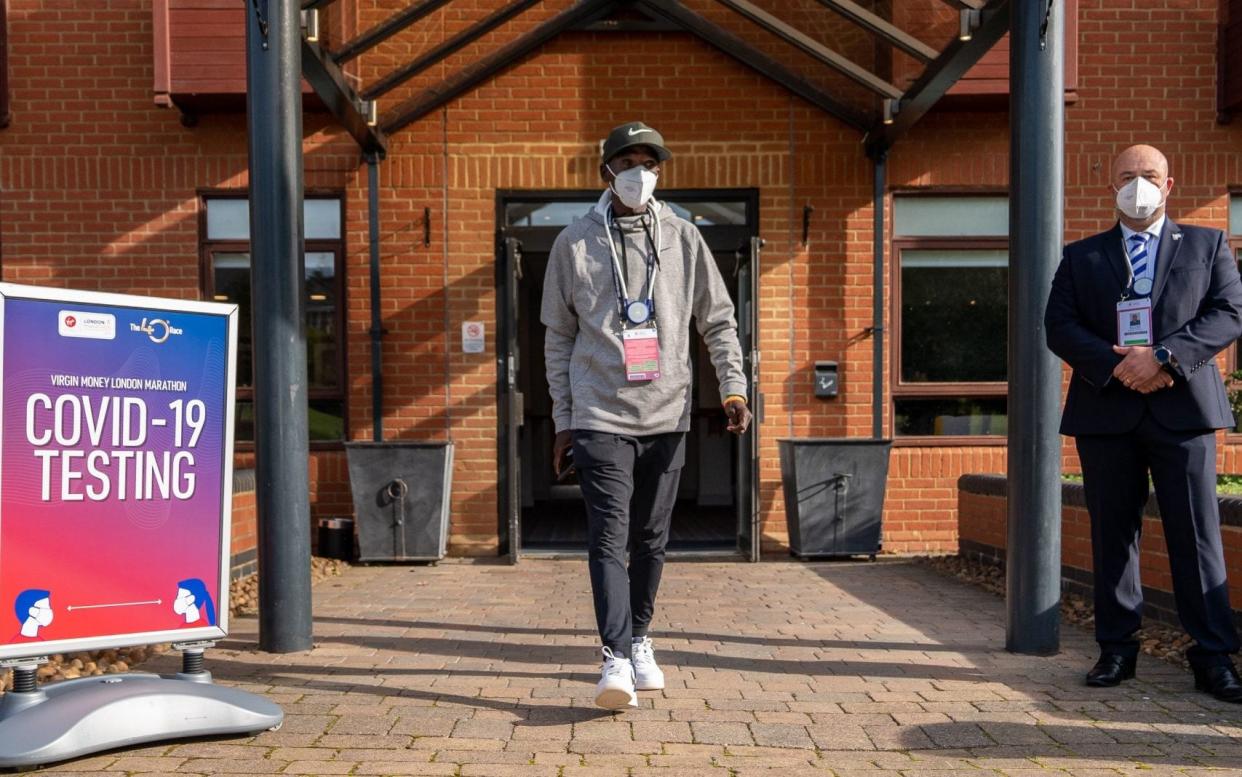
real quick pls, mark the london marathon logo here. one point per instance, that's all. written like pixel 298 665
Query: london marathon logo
pixel 92 326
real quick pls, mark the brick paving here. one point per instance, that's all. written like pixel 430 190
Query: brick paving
pixel 780 668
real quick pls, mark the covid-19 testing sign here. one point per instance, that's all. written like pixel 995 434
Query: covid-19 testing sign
pixel 115 469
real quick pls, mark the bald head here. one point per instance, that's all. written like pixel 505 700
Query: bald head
pixel 1142 162
pixel 1139 160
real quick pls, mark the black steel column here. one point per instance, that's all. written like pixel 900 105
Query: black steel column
pixel 274 124
pixel 1036 195
pixel 877 323
pixel 377 320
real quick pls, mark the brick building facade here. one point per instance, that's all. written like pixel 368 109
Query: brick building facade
pixel 104 180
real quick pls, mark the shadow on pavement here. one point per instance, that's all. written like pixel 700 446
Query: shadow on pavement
pixel 733 638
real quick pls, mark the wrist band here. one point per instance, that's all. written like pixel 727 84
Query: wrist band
pixel 732 397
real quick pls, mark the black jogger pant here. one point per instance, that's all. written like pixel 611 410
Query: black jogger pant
pixel 629 485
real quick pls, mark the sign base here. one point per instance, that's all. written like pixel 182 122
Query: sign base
pixel 72 718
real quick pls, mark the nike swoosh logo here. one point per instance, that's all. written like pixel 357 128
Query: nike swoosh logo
pixel 636 131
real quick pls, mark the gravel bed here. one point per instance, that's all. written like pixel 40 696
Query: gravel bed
pixel 244 592
pixel 243 600
pixel 1160 641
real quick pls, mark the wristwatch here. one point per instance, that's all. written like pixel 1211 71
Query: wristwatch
pixel 1164 357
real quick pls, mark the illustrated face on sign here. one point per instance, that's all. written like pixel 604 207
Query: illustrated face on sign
pixel 193 602
pixel 42 612
pixel 184 605
pixel 33 608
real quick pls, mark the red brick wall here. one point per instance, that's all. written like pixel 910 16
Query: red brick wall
pixel 244 541
pixel 98 185
pixel 98 189
pixel 983 522
pixel 1123 46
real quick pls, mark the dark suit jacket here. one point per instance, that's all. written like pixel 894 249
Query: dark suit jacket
pixel 1197 312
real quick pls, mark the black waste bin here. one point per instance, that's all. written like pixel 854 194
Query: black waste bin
pixel 834 495
pixel 336 538
pixel 401 499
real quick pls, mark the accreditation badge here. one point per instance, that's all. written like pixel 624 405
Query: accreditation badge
pixel 1134 321
pixel 642 354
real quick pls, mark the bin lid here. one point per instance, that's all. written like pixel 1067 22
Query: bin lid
pixel 369 444
pixel 835 441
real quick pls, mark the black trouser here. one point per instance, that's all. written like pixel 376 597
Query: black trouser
pixel 1183 471
pixel 630 485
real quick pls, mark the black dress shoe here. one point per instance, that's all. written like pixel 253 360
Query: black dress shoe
pixel 1221 681
pixel 1110 670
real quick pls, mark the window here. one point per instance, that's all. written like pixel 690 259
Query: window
pixel 951 293
pixel 226 259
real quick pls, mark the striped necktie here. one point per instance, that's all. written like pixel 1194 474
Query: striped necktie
pixel 1138 253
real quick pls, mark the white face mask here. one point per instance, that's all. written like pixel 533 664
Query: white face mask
pixel 1139 199
pixel 634 187
pixel 42 612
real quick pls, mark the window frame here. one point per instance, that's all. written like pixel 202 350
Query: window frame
pixel 1231 359
pixel 1233 355
pixel 902 389
pixel 208 248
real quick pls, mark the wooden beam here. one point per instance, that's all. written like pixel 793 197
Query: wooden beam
pixel 329 83
pixel 743 52
pixel 881 27
pixel 827 56
pixel 495 63
pixel 448 47
pixel 385 30
pixel 957 58
pixel 5 115
pixel 161 55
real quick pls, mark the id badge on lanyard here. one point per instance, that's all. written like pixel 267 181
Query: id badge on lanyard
pixel 642 354
pixel 642 343
pixel 1134 321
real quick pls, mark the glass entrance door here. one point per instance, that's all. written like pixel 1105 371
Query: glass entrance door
pixel 550 516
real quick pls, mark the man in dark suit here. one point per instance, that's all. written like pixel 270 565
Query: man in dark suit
pixel 1140 312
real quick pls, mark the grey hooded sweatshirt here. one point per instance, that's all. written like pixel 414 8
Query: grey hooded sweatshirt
pixel 583 348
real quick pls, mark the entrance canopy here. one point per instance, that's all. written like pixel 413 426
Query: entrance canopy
pixel 877 66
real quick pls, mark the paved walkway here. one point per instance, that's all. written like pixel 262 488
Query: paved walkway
pixel 776 669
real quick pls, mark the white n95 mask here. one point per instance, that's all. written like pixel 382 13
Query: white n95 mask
pixel 1139 199
pixel 634 187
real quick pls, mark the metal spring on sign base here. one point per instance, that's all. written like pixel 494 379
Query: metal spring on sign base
pixel 191 661
pixel 25 679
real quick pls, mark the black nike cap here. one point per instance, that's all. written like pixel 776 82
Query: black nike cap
pixel 635 133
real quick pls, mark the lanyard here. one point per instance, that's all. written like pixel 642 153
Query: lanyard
pixel 1140 286
pixel 635 311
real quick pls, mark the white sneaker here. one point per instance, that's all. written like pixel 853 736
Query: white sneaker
pixel 647 676
pixel 615 690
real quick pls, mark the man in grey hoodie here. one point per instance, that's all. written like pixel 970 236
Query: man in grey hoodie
pixel 621 287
